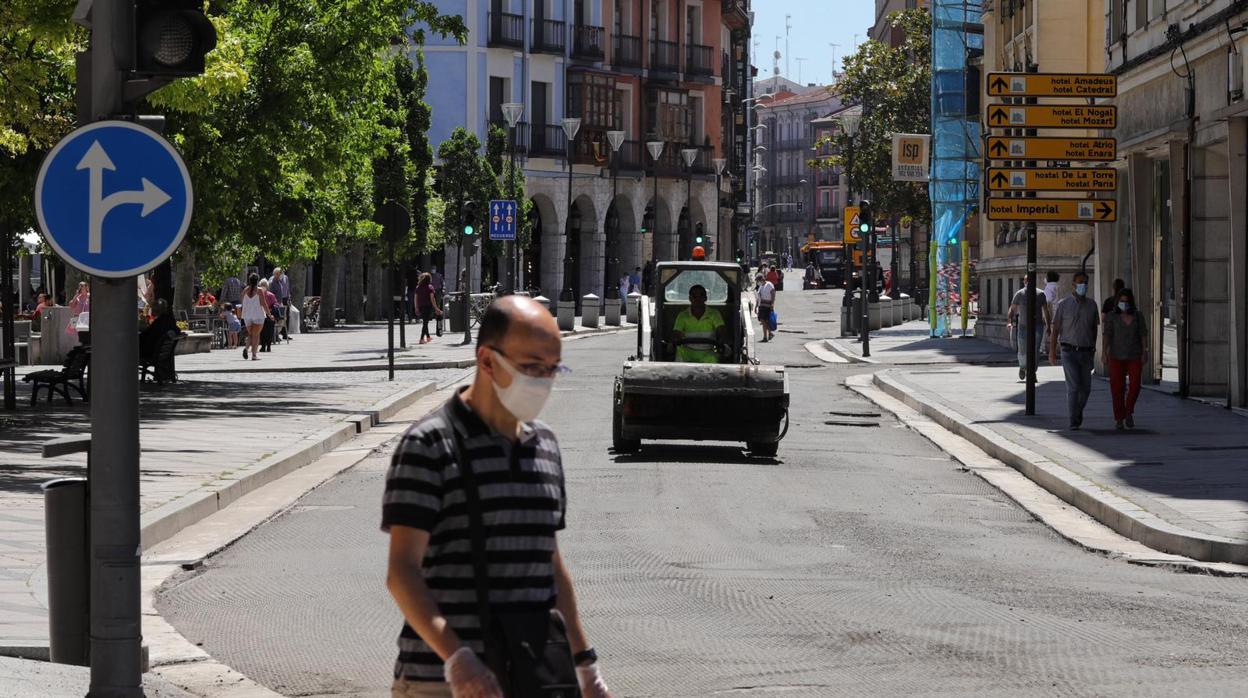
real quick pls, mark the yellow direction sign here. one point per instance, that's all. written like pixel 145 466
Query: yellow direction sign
pixel 1052 116
pixel 1053 179
pixel 850 216
pixel 1053 210
pixel 1052 85
pixel 1000 148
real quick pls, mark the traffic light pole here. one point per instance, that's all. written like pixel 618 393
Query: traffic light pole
pixel 1031 320
pixel 113 478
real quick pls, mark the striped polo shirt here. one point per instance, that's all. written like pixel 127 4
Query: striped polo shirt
pixel 522 503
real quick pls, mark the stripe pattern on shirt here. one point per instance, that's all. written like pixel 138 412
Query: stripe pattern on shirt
pixel 522 503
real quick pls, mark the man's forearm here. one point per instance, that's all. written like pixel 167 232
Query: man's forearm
pixel 566 603
pixel 421 611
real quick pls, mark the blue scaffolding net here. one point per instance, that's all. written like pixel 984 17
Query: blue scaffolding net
pixel 957 40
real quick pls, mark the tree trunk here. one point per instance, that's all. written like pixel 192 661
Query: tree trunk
pixel 330 264
pixel 184 280
pixel 354 302
pixel 375 310
pixel 298 276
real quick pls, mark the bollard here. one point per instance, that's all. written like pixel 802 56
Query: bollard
pixel 634 305
pixel 566 316
pixel 613 312
pixel 589 310
pixel 886 311
pixel 65 523
pixel 907 308
pixel 873 316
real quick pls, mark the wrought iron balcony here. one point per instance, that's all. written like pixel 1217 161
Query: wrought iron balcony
pixel 506 29
pixel 547 141
pixel 664 56
pixel 549 36
pixel 699 60
pixel 587 42
pixel 626 51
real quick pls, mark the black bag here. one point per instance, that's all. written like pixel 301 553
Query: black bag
pixel 528 651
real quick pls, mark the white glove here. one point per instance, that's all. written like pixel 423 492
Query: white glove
pixel 469 677
pixel 590 679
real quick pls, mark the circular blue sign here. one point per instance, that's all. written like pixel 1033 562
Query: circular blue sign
pixel 113 199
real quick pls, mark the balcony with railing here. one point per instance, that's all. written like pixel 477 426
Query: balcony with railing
pixel 626 51
pixel 736 14
pixel 522 134
pixel 588 42
pixel 664 56
pixel 506 30
pixel 549 36
pixel 547 141
pixel 629 158
pixel 699 60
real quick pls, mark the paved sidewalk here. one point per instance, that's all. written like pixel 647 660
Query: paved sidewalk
pixel 205 441
pixel 911 343
pixel 1178 482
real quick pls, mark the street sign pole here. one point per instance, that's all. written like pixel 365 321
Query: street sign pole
pixel 390 313
pixel 113 479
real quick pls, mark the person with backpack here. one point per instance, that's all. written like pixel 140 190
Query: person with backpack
pixel 474 500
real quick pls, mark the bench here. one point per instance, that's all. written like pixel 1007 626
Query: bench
pixel 160 367
pixel 73 374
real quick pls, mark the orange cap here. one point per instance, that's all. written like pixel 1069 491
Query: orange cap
pixel 699 253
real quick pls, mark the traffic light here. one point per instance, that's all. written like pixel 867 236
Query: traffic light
pixel 801 206
pixel 739 256
pixel 647 220
pixel 698 237
pixel 171 38
pixel 865 211
pixel 468 218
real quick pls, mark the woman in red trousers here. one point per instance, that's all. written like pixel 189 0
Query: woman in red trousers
pixel 1126 348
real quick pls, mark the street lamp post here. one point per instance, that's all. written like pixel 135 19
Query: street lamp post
pixel 615 139
pixel 688 155
pixel 851 122
pixel 570 126
pixel 655 149
pixel 513 112
pixel 720 164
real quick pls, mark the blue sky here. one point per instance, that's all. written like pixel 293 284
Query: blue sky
pixel 816 23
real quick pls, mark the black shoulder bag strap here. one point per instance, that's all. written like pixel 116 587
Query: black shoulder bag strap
pixel 476 529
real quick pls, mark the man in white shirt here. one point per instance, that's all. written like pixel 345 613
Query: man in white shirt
pixel 1050 286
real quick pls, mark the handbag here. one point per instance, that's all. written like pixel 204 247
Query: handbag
pixel 773 321
pixel 528 651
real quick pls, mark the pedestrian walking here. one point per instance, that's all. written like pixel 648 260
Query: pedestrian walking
pixel 270 323
pixel 623 287
pixel 255 312
pixel 279 286
pixel 1125 350
pixel 480 602
pixel 1111 302
pixel 766 303
pixel 232 290
pixel 1074 328
pixel 232 325
pixel 647 278
pixel 426 305
pixel 634 280
pixel 438 287
pixel 1051 281
pixel 1019 324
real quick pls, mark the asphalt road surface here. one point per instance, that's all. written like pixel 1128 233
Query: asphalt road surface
pixel 862 561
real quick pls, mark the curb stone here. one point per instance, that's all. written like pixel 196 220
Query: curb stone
pixel 1118 513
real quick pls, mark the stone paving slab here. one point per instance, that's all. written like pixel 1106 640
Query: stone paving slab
pixel 24 677
pixel 204 441
pixel 911 343
pixel 1178 482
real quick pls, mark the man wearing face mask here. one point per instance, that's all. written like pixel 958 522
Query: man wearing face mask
pixel 488 434
pixel 1074 327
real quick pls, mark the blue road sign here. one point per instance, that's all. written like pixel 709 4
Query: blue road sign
pixel 503 220
pixel 113 199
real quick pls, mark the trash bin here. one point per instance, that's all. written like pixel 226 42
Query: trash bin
pixel 65 525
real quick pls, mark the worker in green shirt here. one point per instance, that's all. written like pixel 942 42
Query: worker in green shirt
pixel 701 329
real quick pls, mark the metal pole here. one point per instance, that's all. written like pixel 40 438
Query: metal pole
pixel 654 224
pixel 402 304
pixel 1031 319
pixel 116 627
pixel 465 298
pixel 513 246
pixel 718 193
pixel 390 312
pixel 864 330
pixel 688 207
pixel 568 232
pixel 8 350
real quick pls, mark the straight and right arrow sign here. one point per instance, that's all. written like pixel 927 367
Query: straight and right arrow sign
pixel 1053 210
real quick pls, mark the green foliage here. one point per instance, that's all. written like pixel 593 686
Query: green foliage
pixel 466 176
pixel 893 85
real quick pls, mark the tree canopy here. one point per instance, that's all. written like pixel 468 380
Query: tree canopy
pixel 893 86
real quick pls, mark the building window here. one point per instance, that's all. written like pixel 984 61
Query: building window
pixel 671 117
pixel 595 100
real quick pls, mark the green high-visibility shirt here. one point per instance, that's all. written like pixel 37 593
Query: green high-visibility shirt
pixel 698 328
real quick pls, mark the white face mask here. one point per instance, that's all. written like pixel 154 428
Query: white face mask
pixel 526 396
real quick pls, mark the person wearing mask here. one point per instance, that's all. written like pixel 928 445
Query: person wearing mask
pixel 255 313
pixel 766 302
pixel 1018 323
pixel 1125 350
pixel 701 325
pixel 426 305
pixel 486 433
pixel 1074 327
pixel 1111 303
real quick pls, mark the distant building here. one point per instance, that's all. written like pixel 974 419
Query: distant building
pixel 661 71
pixel 882 31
